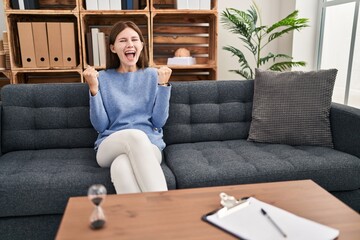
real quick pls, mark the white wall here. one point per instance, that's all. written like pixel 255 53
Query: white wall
pixel 305 41
pixel 2 19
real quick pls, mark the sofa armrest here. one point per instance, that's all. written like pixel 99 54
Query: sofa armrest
pixel 345 127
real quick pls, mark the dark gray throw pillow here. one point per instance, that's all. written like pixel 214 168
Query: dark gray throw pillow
pixel 292 107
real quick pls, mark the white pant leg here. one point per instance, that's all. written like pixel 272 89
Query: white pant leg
pixel 144 158
pixel 123 176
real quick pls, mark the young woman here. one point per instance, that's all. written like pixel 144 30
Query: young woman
pixel 129 104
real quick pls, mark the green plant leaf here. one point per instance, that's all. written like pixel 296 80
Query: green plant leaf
pixel 283 66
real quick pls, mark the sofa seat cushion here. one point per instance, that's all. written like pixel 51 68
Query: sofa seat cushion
pixel 35 182
pixel 239 162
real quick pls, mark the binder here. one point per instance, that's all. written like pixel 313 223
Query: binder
pixel 55 46
pixel 194 4
pixel 182 4
pixel 31 4
pixel 92 5
pixel 22 4
pixel 40 44
pixel 124 4
pixel 95 46
pixel 115 4
pixel 68 44
pixel 246 220
pixel 205 4
pixel 136 4
pixel 14 4
pixel 102 49
pixel 26 44
pixel 103 5
pixel 129 5
pixel 89 52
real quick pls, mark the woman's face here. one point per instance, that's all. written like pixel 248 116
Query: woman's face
pixel 128 47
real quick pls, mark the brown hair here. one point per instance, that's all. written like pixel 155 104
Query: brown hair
pixel 114 61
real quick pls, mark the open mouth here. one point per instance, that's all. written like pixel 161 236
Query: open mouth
pixel 130 55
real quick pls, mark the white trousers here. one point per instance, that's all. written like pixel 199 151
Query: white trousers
pixel 134 162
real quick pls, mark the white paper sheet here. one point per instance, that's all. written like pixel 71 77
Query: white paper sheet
pixel 249 223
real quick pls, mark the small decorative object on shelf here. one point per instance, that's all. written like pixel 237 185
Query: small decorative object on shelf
pixel 182 57
pixel 97 194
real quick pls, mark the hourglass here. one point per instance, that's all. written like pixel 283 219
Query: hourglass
pixel 97 194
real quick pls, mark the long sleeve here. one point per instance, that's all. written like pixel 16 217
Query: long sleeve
pixel 161 106
pixel 98 116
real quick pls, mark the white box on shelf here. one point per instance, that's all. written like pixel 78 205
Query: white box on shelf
pixel 182 4
pixel 103 5
pixel 205 4
pixel 92 5
pixel 181 61
pixel 194 4
pixel 115 4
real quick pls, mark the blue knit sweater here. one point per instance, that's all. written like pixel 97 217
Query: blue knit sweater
pixel 131 100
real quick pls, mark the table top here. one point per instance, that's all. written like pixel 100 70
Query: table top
pixel 176 214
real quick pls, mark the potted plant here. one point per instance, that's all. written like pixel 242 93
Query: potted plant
pixel 256 36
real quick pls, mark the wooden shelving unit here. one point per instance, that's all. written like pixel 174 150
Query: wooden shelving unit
pixel 49 11
pixel 164 27
pixel 105 19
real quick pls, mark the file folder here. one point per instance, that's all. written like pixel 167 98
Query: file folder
pixel 102 49
pixel 68 44
pixel 55 46
pixel 26 44
pixel 40 44
pixel 95 46
pixel 247 221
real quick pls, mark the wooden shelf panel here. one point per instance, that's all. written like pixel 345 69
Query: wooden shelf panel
pixel 143 6
pixel 55 5
pixel 169 5
pixel 15 53
pixel 193 74
pixel 47 76
pixel 195 32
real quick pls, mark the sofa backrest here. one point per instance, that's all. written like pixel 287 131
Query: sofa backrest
pixel 209 111
pixel 42 116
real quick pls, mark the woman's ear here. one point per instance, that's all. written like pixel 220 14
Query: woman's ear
pixel 112 49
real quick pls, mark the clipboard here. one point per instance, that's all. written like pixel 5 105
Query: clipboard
pixel 244 219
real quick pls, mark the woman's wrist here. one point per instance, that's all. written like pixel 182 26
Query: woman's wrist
pixel 163 84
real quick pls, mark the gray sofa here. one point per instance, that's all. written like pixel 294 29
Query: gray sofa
pixel 47 151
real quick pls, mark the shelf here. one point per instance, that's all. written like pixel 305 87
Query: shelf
pixel 164 28
pixel 90 19
pixel 196 32
pixel 15 54
pixel 170 6
pixel 45 5
pixel 47 76
pixel 143 6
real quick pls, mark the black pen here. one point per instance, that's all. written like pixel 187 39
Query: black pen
pixel 273 222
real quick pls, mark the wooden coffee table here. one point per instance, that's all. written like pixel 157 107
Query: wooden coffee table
pixel 177 214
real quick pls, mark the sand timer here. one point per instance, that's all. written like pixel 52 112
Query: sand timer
pixel 97 194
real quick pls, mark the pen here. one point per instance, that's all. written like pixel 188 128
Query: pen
pixel 273 222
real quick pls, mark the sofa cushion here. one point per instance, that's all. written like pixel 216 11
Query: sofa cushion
pixel 45 116
pixel 292 107
pixel 240 161
pixel 38 182
pixel 209 110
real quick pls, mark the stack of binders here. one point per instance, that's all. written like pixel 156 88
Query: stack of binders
pixel 25 4
pixel 97 48
pixel 47 44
